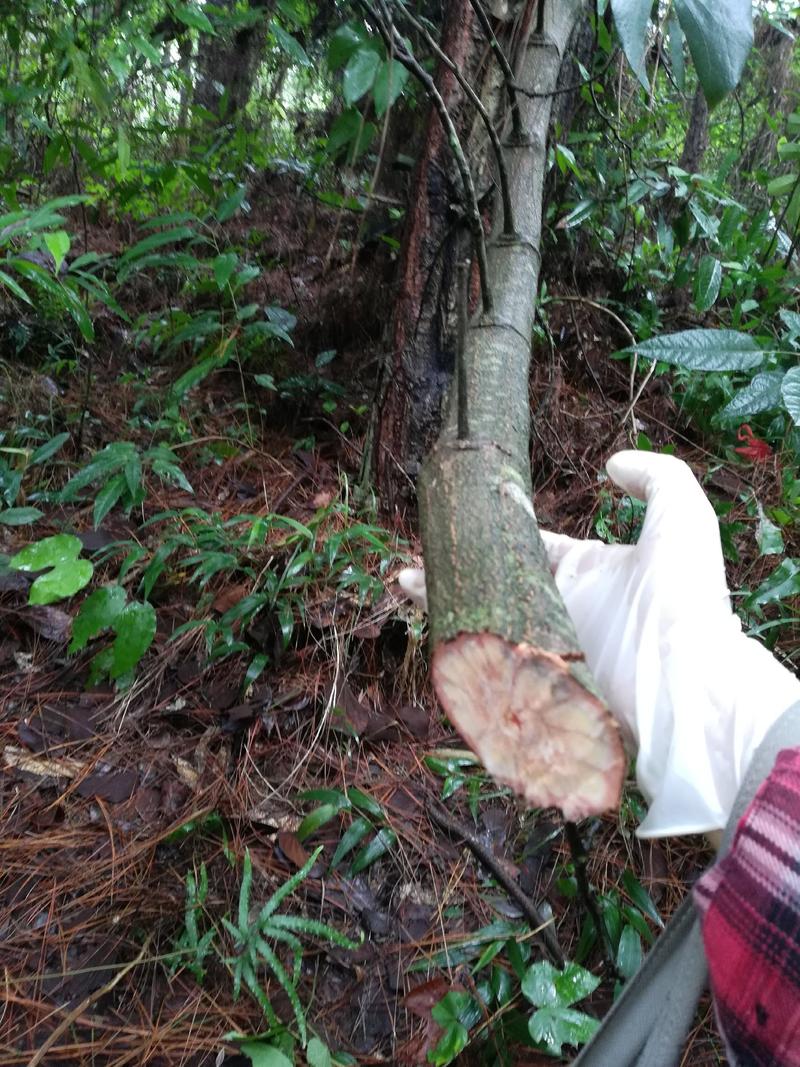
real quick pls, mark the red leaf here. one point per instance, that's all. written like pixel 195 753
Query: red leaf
pixel 754 448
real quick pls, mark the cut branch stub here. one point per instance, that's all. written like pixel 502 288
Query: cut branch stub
pixel 506 663
pixel 534 727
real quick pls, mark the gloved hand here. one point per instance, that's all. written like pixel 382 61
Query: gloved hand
pixel 694 696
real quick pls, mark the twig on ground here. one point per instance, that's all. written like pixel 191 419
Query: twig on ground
pixel 543 927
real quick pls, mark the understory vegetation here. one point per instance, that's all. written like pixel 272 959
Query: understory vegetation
pixel 236 827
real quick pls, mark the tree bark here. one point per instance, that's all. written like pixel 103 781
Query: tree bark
pixel 775 51
pixel 695 142
pixel 228 65
pixel 506 662
pixel 421 360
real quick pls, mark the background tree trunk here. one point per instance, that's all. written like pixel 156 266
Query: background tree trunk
pixel 695 142
pixel 773 50
pixel 227 64
pixel 421 358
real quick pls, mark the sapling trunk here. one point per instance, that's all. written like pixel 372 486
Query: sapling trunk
pixel 506 663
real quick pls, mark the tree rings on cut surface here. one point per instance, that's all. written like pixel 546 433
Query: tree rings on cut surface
pixel 531 723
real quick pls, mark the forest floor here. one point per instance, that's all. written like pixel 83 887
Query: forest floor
pixel 110 798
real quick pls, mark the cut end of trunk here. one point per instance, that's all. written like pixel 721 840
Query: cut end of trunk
pixel 533 725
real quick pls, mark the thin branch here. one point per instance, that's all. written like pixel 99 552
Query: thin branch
pixel 477 103
pixel 462 393
pixel 542 926
pixel 505 66
pixel 411 64
pixel 531 94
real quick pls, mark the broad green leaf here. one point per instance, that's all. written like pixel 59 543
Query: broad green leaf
pixel 791 319
pixel 123 152
pixel 355 833
pixel 366 803
pixel 290 45
pixel 48 449
pixel 77 310
pixel 675 40
pixel 14 286
pixel 50 552
pixel 102 465
pixel 450 1045
pixel 224 266
pixel 720 35
pixel 318 818
pixel 19 516
pixel 135 627
pixel 790 393
pixel 326 796
pixel 707 282
pixel 133 472
pixel 629 953
pixel 263 1055
pixel 704 350
pixel 555 1026
pixel 632 18
pixel 98 612
pixel 389 83
pixel 359 74
pixel 768 536
pixel 194 375
pixel 231 204
pixel 782 584
pixel 640 897
pixel 782 185
pixel 346 40
pixel 762 394
pixel 344 130
pixel 190 15
pixel 107 497
pixel 58 246
pixel 120 67
pixel 583 210
pixel 456 1006
pixel 381 843
pixel 62 581
pixel 171 472
pixel 318 1054
pixel 544 985
pixel 145 48
pixel 156 240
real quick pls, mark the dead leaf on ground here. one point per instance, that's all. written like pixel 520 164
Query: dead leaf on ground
pixel 52 624
pixel 230 596
pixel 115 786
pixel 348 714
pixel 290 846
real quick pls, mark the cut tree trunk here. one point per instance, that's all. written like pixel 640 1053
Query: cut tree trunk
pixel 506 663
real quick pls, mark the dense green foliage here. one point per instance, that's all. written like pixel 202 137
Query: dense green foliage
pixel 144 148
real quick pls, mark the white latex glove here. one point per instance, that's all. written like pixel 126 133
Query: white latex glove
pixel 694 696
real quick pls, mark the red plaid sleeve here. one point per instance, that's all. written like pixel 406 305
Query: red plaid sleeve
pixel 749 904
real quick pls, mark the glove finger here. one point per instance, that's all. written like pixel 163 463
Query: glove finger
pixel 557 545
pixel 584 555
pixel 680 523
pixel 412 581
